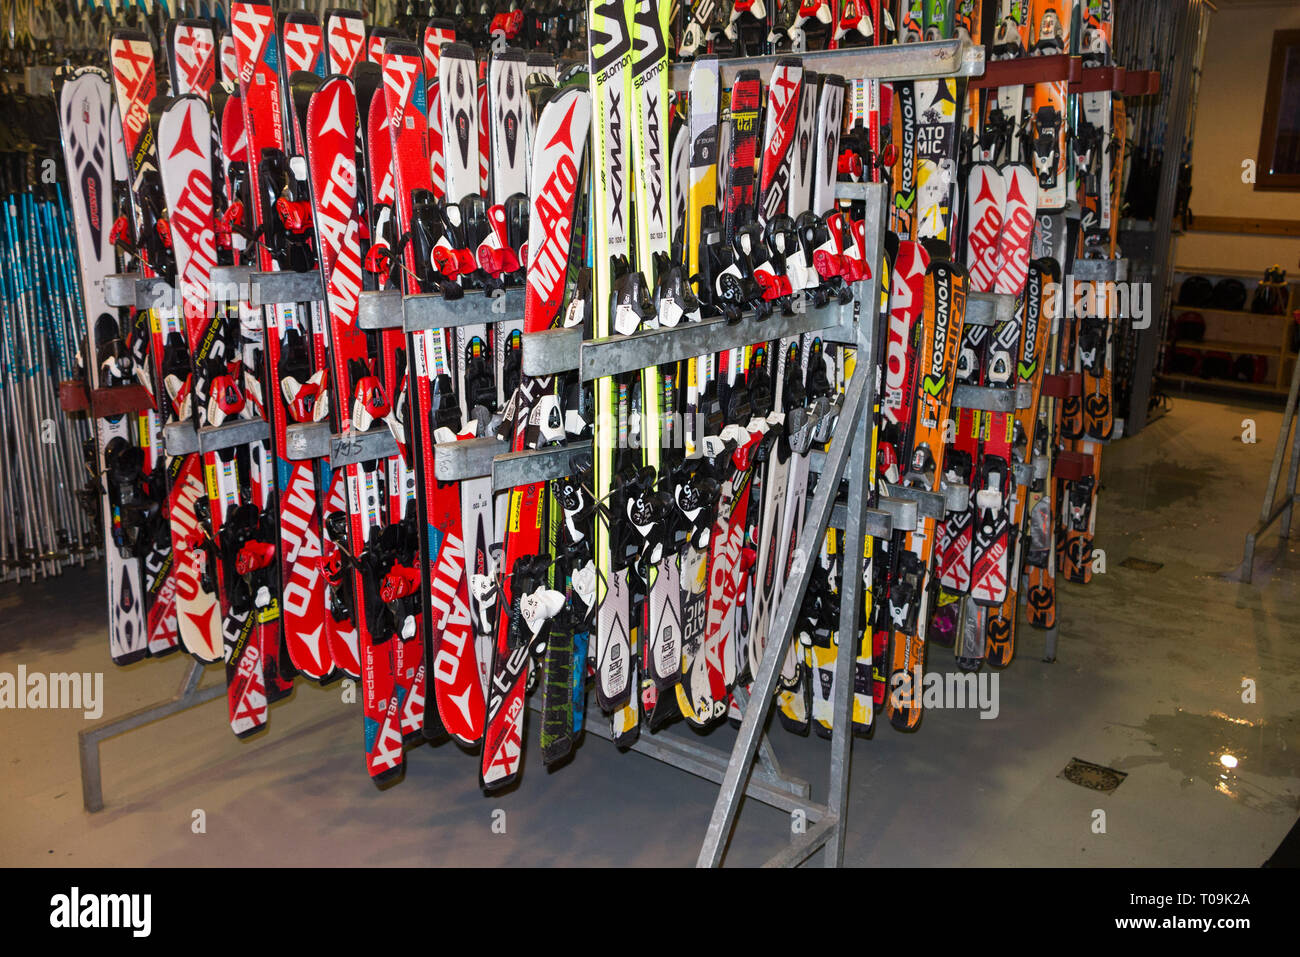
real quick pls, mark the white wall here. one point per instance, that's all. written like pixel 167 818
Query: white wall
pixel 1231 104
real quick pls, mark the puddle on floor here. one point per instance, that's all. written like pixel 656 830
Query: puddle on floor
pixel 1228 754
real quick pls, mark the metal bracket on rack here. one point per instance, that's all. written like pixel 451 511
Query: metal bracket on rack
pixel 1099 270
pixel 985 398
pixel 1042 467
pixel 259 288
pixel 181 438
pixel 466 459
pixel 902 61
pixel 877 522
pixel 313 440
pixel 950 498
pixel 903 515
pixel 989 308
pixel 379 309
pixel 561 350
pixel 1025 473
pixel 119 288
pixel 388 309
pixel 538 465
pixel 154 292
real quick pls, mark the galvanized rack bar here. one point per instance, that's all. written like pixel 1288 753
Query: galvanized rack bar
pixel 985 398
pixel 265 288
pixel 989 308
pixel 88 739
pixel 314 440
pixel 154 292
pixel 466 459
pixel 1099 270
pixel 431 311
pixel 1275 506
pixel 905 503
pixel 538 465
pixel 379 309
pixel 904 61
pixel 389 309
pixel 561 350
pixel 878 522
pixel 119 288
pixel 950 498
pixel 850 440
pixel 768 786
pixel 182 438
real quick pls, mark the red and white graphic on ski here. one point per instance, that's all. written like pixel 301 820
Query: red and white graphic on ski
pixel 301 571
pixel 986 195
pixel 192 52
pixel 302 42
pixel 1021 190
pixel 345 41
pixel 558 147
pixel 779 137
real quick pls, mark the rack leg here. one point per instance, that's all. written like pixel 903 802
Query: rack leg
pixel 742 755
pixel 1291 480
pixel 851 585
pixel 88 739
pixel 1049 649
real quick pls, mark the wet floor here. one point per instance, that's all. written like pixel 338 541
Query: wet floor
pixel 1182 678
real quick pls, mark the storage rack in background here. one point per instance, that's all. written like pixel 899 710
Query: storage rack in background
pixel 1235 332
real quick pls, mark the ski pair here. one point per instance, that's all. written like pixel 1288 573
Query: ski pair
pixel 88 130
pixel 974 545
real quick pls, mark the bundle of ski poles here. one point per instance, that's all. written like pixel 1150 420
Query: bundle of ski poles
pixel 520 173
pixel 43 527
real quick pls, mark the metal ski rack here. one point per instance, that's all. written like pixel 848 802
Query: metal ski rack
pixel 1284 508
pixel 476 458
pixel 228 283
pixel 188 696
pixel 555 351
pixel 546 353
pixel 850 441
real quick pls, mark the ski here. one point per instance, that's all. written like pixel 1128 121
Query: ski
pixel 85 115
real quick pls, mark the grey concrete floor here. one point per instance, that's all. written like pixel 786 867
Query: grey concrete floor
pixel 1148 681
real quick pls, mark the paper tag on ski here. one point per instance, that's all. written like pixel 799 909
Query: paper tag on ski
pixel 670 313
pixel 584 583
pixel 626 320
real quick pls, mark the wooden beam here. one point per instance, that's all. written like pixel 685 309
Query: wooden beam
pixel 1244 225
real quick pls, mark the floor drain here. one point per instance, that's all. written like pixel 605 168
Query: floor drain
pixel 1094 776
pixel 1142 565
